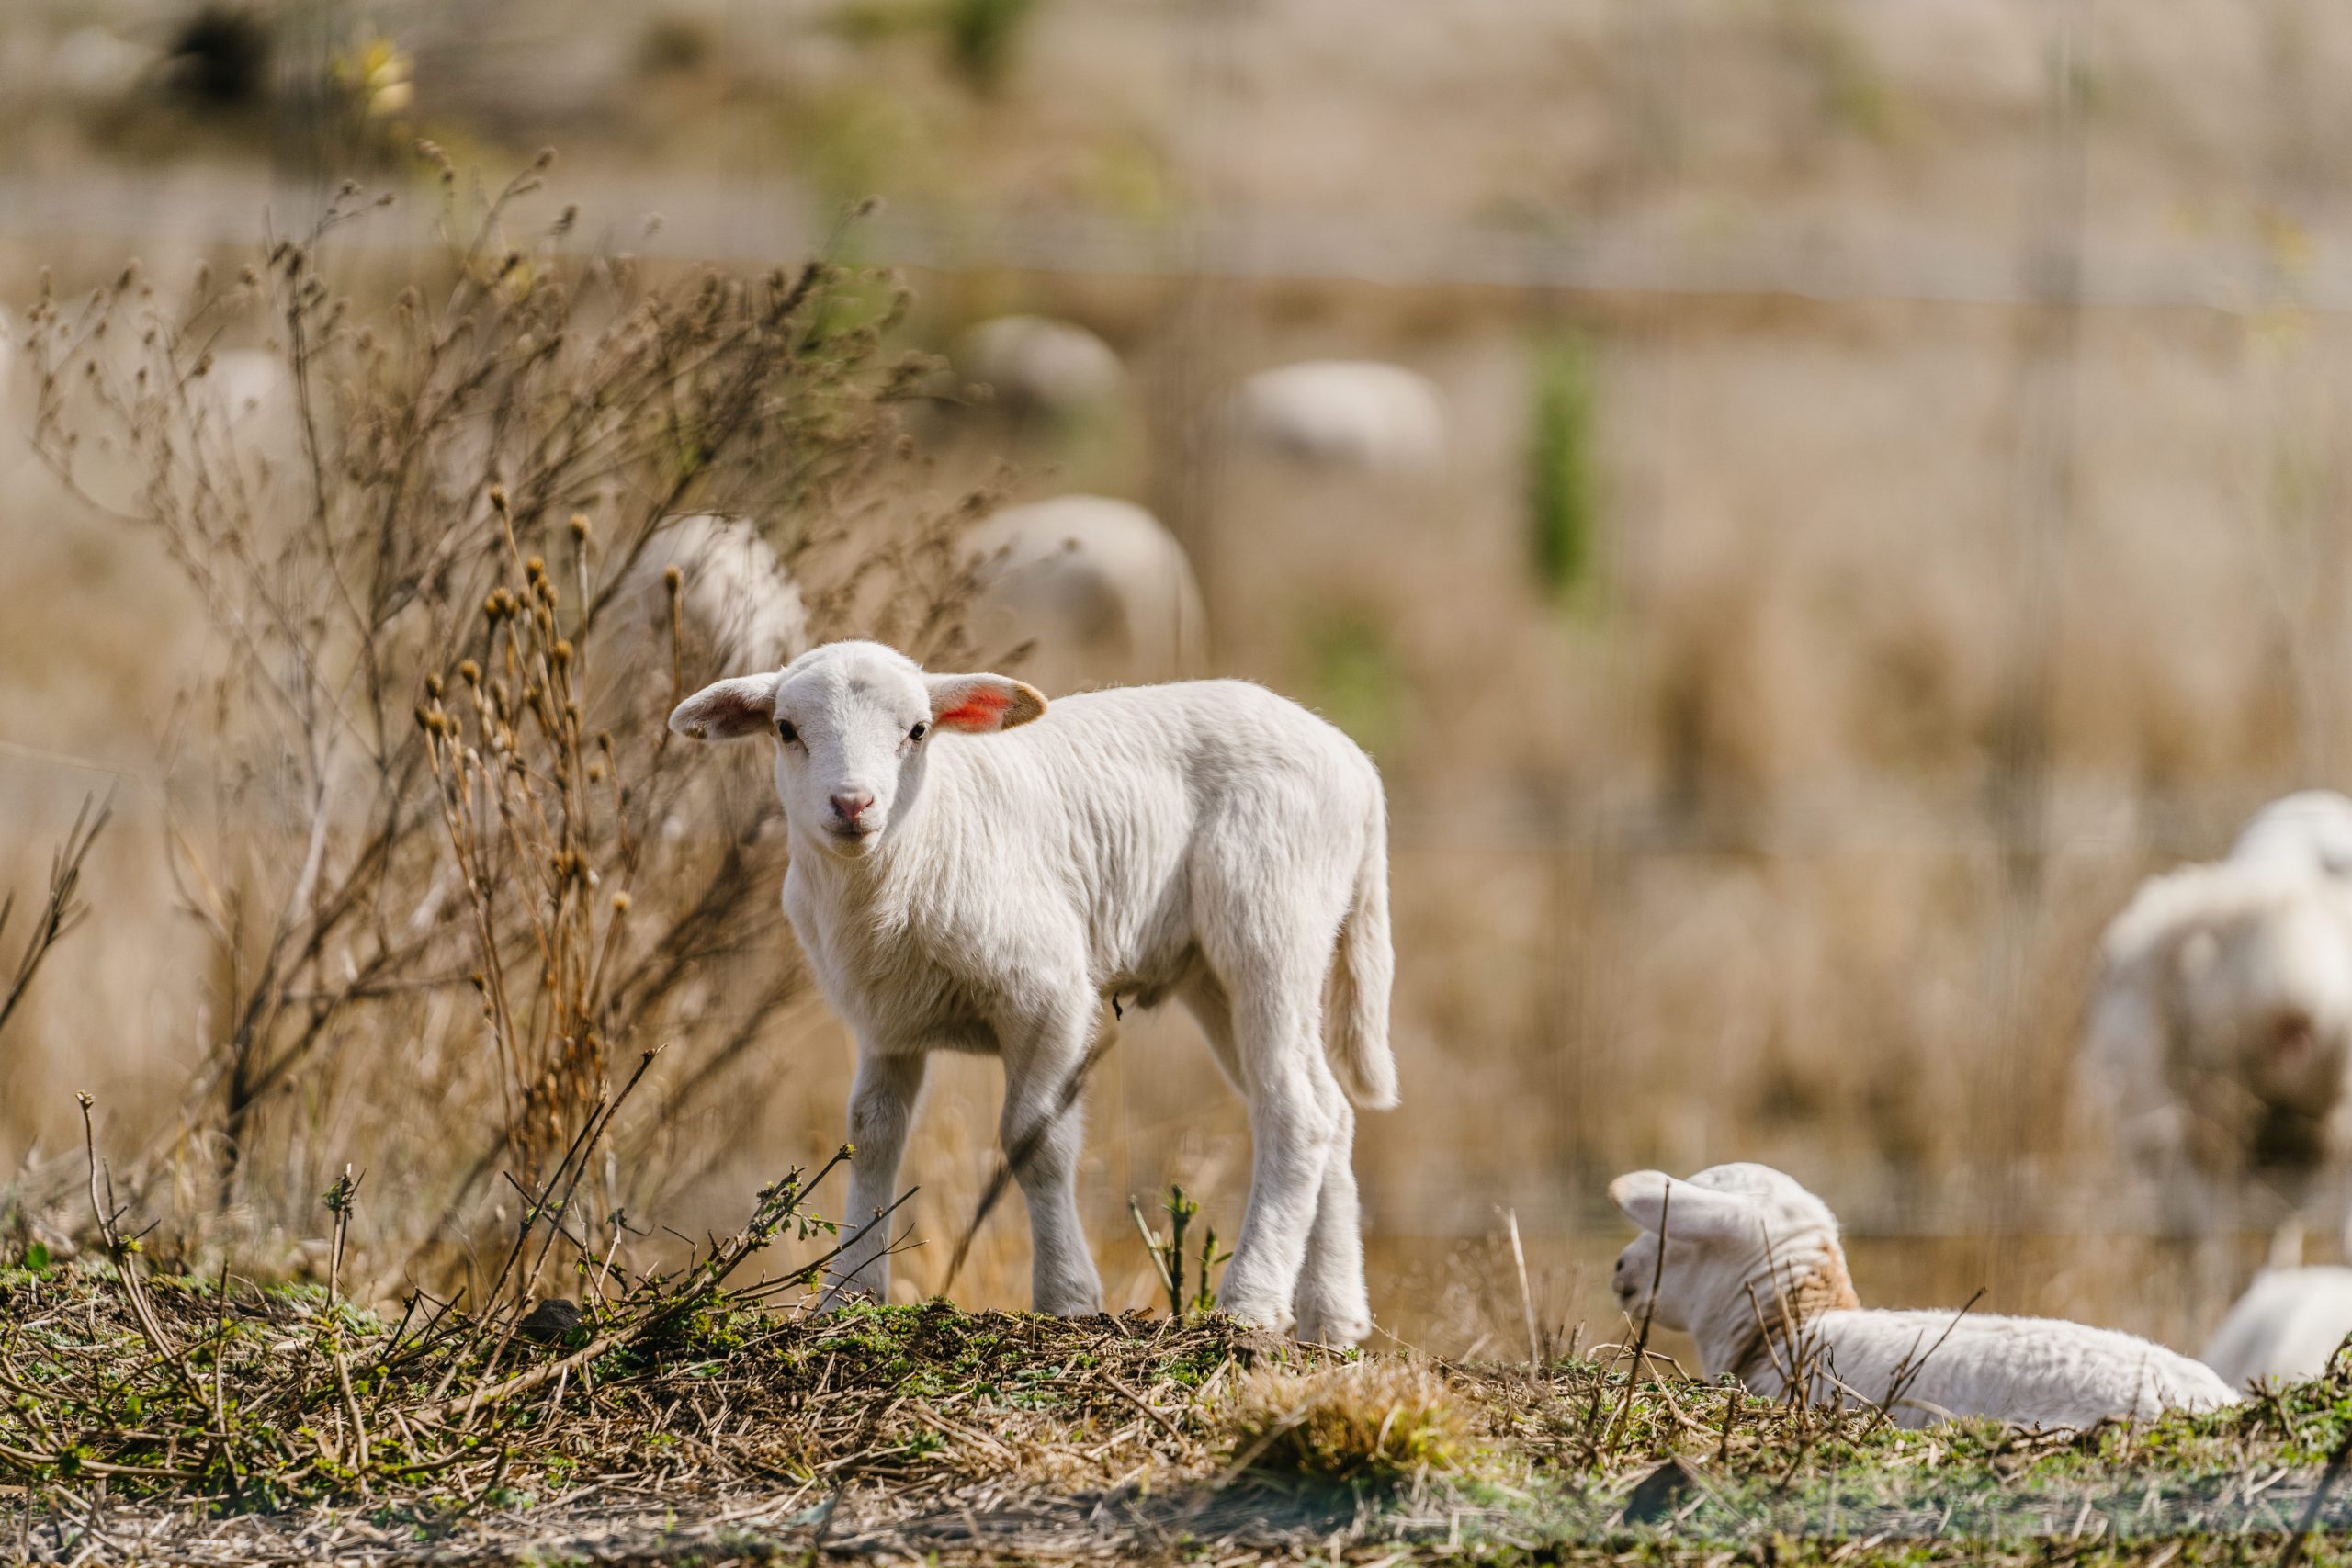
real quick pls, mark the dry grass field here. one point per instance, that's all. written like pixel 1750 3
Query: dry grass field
pixel 1943 403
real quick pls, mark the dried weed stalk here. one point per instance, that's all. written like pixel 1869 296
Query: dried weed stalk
pixel 423 809
pixel 62 908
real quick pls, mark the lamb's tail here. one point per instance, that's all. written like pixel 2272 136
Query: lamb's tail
pixel 1362 975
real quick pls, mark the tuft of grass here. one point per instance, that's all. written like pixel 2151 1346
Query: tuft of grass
pixel 1563 489
pixel 1168 1255
pixel 1355 679
pixel 981 36
pixel 675 44
pixel 1369 1421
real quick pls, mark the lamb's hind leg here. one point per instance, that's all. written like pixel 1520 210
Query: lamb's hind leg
pixel 1333 1306
pixel 1266 908
pixel 1290 1136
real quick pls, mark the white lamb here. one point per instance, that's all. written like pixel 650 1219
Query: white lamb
pixel 2309 830
pixel 1350 414
pixel 2288 1326
pixel 1105 592
pixel 2220 1033
pixel 247 397
pixel 1754 1272
pixel 734 597
pixel 973 872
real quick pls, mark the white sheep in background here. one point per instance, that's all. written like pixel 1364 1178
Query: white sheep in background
pixel 961 884
pixel 1350 414
pixel 1038 366
pixel 2287 1325
pixel 2310 830
pixel 2220 1031
pixel 1106 592
pixel 94 65
pixel 247 397
pixel 1754 1272
pixel 734 597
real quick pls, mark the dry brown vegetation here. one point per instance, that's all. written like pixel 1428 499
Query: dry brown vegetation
pixel 1952 392
pixel 677 1419
pixel 421 809
pixel 1927 610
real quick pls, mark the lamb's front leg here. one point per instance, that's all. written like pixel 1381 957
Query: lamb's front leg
pixel 881 1105
pixel 1043 1131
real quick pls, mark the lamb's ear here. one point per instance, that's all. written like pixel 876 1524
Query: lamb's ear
pixel 979 704
pixel 1652 1197
pixel 727 710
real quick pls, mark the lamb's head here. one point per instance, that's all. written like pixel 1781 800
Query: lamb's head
pixel 851 723
pixel 1728 1230
pixel 2265 993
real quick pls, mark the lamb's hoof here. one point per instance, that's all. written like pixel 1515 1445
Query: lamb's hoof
pixel 842 1295
pixel 1339 1332
pixel 1274 1317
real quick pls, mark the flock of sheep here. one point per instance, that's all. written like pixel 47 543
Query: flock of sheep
pixel 2219 1030
pixel 978 867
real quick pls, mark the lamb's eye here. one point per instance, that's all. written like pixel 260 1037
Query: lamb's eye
pixel 922 729
pixel 785 732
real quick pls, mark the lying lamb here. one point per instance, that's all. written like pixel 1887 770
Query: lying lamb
pixel 2287 1325
pixel 1753 1271
pixel 972 871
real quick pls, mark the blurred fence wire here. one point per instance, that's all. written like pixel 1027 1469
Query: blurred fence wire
pixel 739 220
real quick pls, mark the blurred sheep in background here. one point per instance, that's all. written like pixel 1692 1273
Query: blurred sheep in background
pixel 737 604
pixel 2310 830
pixel 2220 1029
pixel 738 608
pixel 1098 589
pixel 1104 594
pixel 91 64
pixel 1351 415
pixel 1040 369
pixel 2287 1325
pixel 248 396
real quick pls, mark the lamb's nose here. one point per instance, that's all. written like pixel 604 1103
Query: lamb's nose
pixel 850 803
